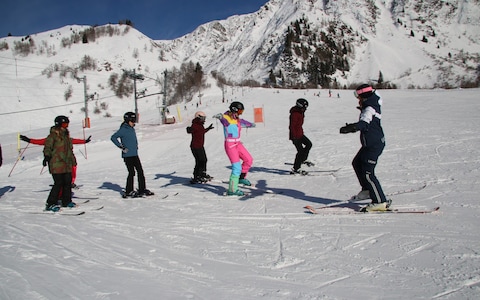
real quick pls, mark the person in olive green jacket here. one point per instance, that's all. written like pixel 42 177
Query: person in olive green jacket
pixel 58 154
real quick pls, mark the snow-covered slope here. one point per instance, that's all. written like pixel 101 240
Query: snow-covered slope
pixel 198 244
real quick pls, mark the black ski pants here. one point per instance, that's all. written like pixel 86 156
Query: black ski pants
pixel 303 146
pixel 133 163
pixel 61 182
pixel 200 162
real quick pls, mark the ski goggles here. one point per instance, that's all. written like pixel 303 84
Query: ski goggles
pixel 367 89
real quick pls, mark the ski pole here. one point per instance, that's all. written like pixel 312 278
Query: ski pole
pixel 85 145
pixel 18 158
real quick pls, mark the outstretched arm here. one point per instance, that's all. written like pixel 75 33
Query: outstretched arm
pixel 81 141
pixel 33 141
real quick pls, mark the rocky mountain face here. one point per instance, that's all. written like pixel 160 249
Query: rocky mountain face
pixel 407 43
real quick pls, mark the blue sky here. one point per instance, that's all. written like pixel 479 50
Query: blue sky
pixel 158 19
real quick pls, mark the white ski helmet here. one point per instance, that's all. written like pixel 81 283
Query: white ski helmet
pixel 201 115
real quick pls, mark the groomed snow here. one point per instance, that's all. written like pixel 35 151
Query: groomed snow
pixel 202 245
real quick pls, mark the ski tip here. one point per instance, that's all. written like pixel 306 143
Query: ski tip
pixel 310 209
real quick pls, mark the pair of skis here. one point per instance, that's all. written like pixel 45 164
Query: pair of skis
pixel 312 172
pixel 76 211
pixel 250 187
pixel 344 205
pixel 318 210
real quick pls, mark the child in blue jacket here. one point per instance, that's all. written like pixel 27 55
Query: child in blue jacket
pixel 129 145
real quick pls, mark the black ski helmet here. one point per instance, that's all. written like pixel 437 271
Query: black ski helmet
pixel 302 103
pixel 236 107
pixel 130 117
pixel 59 120
pixel 363 91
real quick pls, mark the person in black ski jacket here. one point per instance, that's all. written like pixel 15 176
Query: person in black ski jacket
pixel 373 143
pixel 197 130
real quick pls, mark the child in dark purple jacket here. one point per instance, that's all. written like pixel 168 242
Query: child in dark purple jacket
pixel 198 150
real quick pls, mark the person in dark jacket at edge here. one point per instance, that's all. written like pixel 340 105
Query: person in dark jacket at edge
pixel 298 138
pixel 197 130
pixel 373 143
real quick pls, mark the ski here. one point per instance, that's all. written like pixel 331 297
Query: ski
pixel 353 199
pixel 329 171
pixel 87 207
pixel 241 197
pixel 415 189
pixel 167 195
pixel 137 196
pixel 307 163
pixel 85 198
pixel 60 212
pixel 252 187
pixel 414 211
pixel 345 210
pixel 313 173
pixel 74 186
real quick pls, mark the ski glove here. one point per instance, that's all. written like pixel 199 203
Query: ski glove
pixel 210 127
pixel 88 139
pixel 348 128
pixel 24 138
pixel 124 149
pixel 218 116
pixel 189 129
pixel 46 159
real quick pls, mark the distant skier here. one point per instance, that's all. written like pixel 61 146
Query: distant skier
pixel 298 138
pixel 126 139
pixel 58 154
pixel 41 142
pixel 373 143
pixel 239 156
pixel 197 130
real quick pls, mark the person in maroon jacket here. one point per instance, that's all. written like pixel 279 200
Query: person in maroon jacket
pixel 298 138
pixel 198 150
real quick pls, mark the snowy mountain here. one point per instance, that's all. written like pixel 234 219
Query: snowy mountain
pixel 293 43
pixel 190 241
pixel 385 36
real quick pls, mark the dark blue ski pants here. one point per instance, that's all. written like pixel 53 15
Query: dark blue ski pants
pixel 364 165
